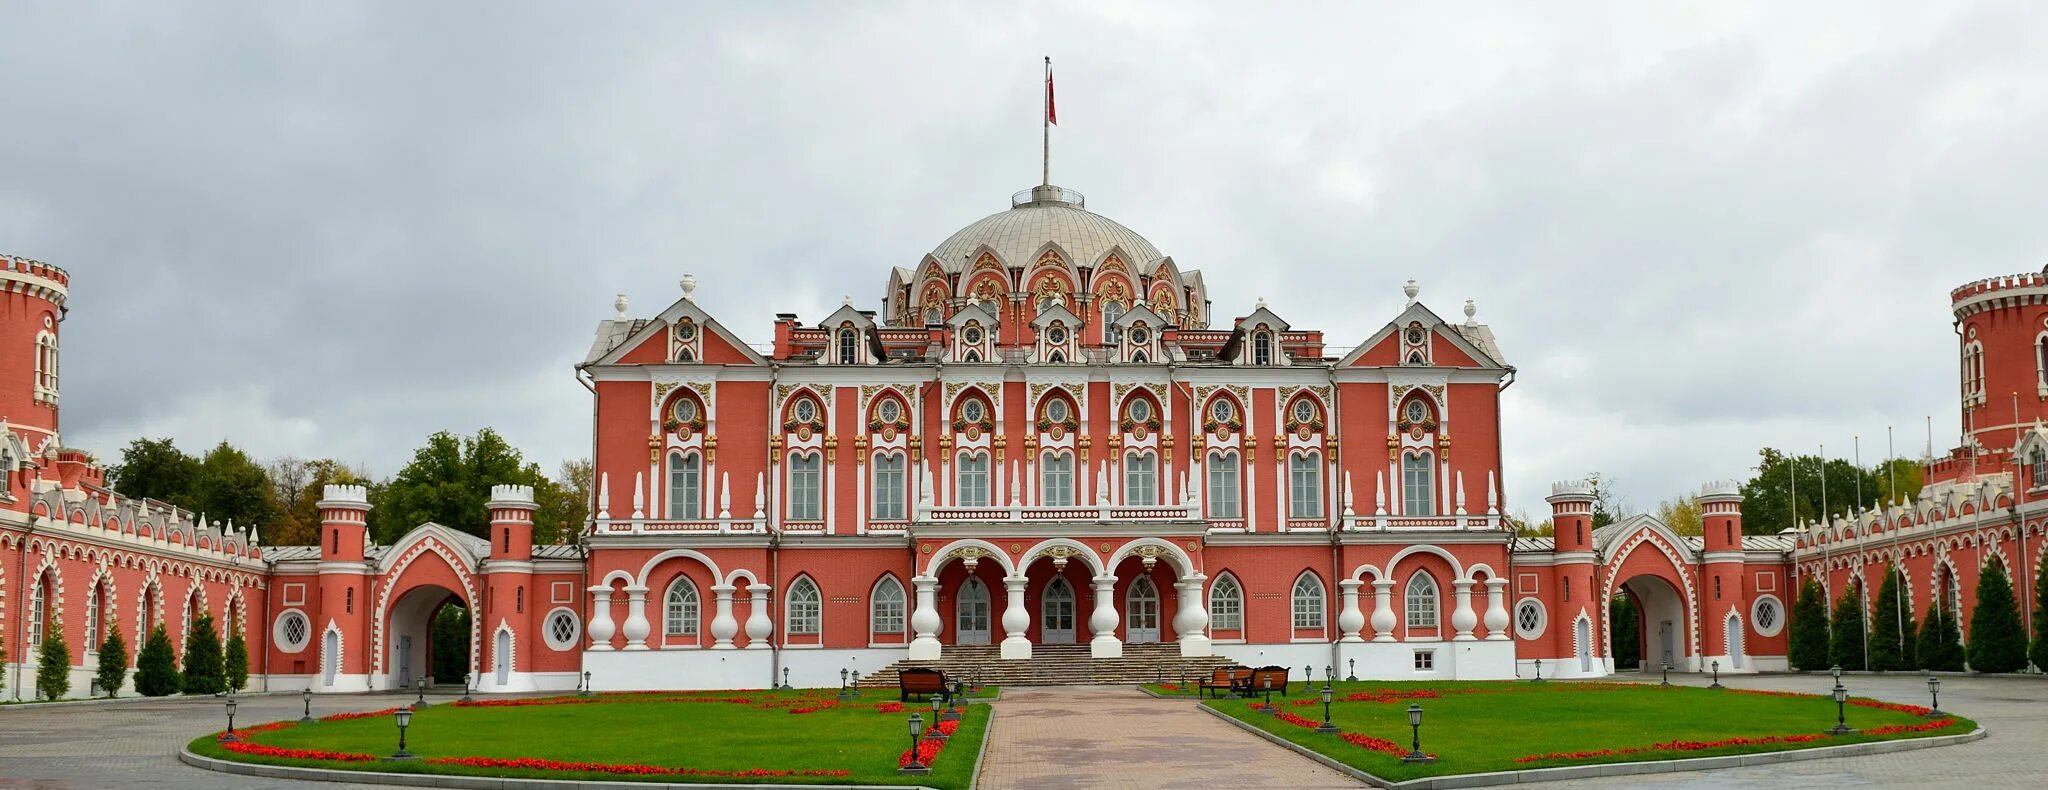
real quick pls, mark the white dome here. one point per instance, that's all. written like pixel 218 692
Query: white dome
pixel 1040 215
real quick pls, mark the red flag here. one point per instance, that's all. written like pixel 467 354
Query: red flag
pixel 1052 115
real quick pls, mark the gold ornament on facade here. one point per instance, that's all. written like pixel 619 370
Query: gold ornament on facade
pixel 1104 548
pixel 1193 546
pixel 1166 447
pixel 1016 547
pixel 1148 556
pixel 710 449
pixel 654 449
pixel 774 450
pixel 860 450
pixel 1059 555
pixel 1084 443
pixel 1000 443
pixel 831 449
pixel 916 449
pixel 1393 447
pixel 970 556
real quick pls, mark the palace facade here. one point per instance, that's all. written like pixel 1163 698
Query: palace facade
pixel 1041 436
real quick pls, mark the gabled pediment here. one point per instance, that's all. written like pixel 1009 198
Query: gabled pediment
pixel 847 314
pixel 1262 315
pixel 1139 313
pixel 1057 312
pixel 974 311
pixel 1416 313
pixel 657 331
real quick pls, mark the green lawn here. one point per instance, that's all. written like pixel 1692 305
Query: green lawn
pixel 726 733
pixel 1479 727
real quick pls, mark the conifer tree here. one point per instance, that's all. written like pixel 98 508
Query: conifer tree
pixel 3 660
pixel 1996 642
pixel 113 667
pixel 156 667
pixel 1888 649
pixel 204 672
pixel 2040 647
pixel 1940 643
pixel 1846 639
pixel 237 662
pixel 53 664
pixel 1809 648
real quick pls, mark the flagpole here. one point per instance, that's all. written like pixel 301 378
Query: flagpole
pixel 1856 452
pixel 1898 563
pixel 1045 121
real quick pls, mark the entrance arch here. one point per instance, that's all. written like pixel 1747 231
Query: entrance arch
pixel 410 644
pixel 427 573
pixel 1665 633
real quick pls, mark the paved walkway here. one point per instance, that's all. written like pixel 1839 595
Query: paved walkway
pixel 1115 736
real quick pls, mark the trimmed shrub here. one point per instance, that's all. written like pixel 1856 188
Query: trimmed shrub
pixel 1624 629
pixel 53 664
pixel 1940 643
pixel 1996 642
pixel 113 667
pixel 1846 639
pixel 156 667
pixel 1809 648
pixel 237 662
pixel 1890 632
pixel 2040 651
pixel 205 672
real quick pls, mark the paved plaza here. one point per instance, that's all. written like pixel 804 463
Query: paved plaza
pixel 1073 737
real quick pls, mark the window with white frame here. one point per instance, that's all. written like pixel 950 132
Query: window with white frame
pixel 849 346
pixel 888 474
pixel 1111 333
pixel 973 474
pixel 1767 615
pixel 46 363
pixel 562 629
pixel 1224 501
pixel 1529 618
pixel 1418 485
pixel 92 617
pixel 292 632
pixel 806 493
pixel 1226 604
pixel 685 486
pixel 1141 484
pixel 1056 480
pixel 1308 602
pixel 804 608
pixel 886 606
pixel 1422 602
pixel 2039 459
pixel 1304 486
pixel 680 608
pixel 38 598
pixel 1262 348
pixel 1425 661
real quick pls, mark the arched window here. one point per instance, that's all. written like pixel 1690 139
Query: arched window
pixel 1418 485
pixel 1422 595
pixel 1308 602
pixel 889 487
pixel 46 365
pixel 885 614
pixel 1224 502
pixel 685 486
pixel 92 616
pixel 849 346
pixel 934 315
pixel 1056 480
pixel 681 608
pixel 973 483
pixel 1304 486
pixel 1141 487
pixel 1262 348
pixel 1111 333
pixel 1226 604
pixel 804 609
pixel 146 620
pixel 805 493
pixel 2039 459
pixel 38 612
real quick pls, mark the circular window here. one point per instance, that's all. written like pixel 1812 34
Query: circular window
pixel 1767 616
pixel 1057 334
pixel 1414 335
pixel 973 411
pixel 1141 410
pixel 1138 334
pixel 686 331
pixel 562 629
pixel 1221 410
pixel 1417 412
pixel 889 411
pixel 1056 411
pixel 686 410
pixel 806 410
pixel 1304 411
pixel 292 631
pixel 1529 619
pixel 972 335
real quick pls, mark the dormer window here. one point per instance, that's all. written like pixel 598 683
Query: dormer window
pixel 849 346
pixel 1056 335
pixel 2039 459
pixel 1111 333
pixel 1139 335
pixel 1262 349
pixel 1415 336
pixel 972 334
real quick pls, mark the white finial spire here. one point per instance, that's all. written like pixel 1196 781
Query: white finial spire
pixel 689 283
pixel 1471 313
pixel 1411 289
pixel 620 304
pixel 846 300
pixel 1261 305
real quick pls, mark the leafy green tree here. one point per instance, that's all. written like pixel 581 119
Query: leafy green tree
pixel 156 667
pixel 1940 642
pixel 1846 638
pixel 1624 630
pixel 1898 480
pixel 3 660
pixel 1682 515
pixel 205 672
pixel 232 487
pixel 156 469
pixel 1891 648
pixel 298 485
pixel 1809 643
pixel 565 507
pixel 1767 498
pixel 237 662
pixel 451 643
pixel 1996 642
pixel 53 664
pixel 113 667
pixel 449 480
pixel 2040 648
pixel 1608 506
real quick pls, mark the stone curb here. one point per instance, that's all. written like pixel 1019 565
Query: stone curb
pixel 188 757
pixel 138 698
pixel 1611 769
pixel 981 755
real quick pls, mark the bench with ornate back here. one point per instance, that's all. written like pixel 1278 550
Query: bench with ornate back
pixel 1227 679
pixel 921 681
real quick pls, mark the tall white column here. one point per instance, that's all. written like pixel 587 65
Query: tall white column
pixel 1191 617
pixel 759 627
pixel 1016 619
pixel 924 621
pixel 1497 609
pixel 636 617
pixel 1463 619
pixel 601 627
pixel 1103 620
pixel 1383 610
pixel 723 626
pixel 1351 621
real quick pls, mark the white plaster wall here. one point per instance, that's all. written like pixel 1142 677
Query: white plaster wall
pixel 820 668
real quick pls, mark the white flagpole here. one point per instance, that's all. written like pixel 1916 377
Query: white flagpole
pixel 1045 121
pixel 1898 564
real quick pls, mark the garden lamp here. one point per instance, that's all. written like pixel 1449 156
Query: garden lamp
pixel 1667 675
pixel 1415 754
pixel 229 737
pixel 1327 727
pixel 1308 673
pixel 467 678
pixel 1841 723
pixel 1329 674
pixel 844 691
pixel 1934 691
pixel 422 701
pixel 306 696
pixel 586 684
pixel 1717 674
pixel 1539 672
pixel 916 733
pixel 935 734
pixel 1837 671
pixel 1158 675
pixel 785 678
pixel 1353 677
pixel 404 716
pixel 1268 709
pixel 952 701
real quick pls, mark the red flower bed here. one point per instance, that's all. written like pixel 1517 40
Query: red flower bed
pixel 1297 720
pixel 246 747
pixel 1678 746
pixel 1891 706
pixel 889 707
pixel 1388 696
pixel 1169 686
pixel 538 764
pixel 1926 726
pixel 816 707
pixel 368 714
pixel 927 751
pixel 1380 745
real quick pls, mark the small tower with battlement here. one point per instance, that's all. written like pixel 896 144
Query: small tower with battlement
pixel 1726 594
pixel 33 295
pixel 2002 349
pixel 512 508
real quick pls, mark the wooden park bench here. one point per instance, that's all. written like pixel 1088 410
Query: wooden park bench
pixel 1226 679
pixel 922 681
pixel 1257 682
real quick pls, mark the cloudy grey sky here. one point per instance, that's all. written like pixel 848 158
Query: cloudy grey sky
pixel 332 228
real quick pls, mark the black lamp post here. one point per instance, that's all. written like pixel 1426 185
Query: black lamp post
pixel 1326 727
pixel 1841 722
pixel 1329 674
pixel 856 682
pixel 1415 754
pixel 1353 677
pixel 230 736
pixel 1158 675
pixel 936 734
pixel 422 701
pixel 1268 708
pixel 1308 673
pixel 952 712
pixel 844 692
pixel 785 678
pixel 1667 675
pixel 916 734
pixel 404 716
pixel 306 696
pixel 467 679
pixel 1934 691
pixel 1717 675
pixel 586 684
pixel 1539 672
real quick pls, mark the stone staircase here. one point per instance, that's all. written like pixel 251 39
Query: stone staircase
pixel 1058 665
